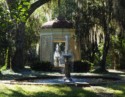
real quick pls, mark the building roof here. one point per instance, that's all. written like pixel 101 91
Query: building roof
pixel 60 22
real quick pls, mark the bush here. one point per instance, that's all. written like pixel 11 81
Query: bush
pixel 82 66
pixel 42 66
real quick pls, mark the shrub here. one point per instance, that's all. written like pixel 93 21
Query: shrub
pixel 31 57
pixel 42 66
pixel 82 66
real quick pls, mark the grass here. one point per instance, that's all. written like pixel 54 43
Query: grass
pixel 118 90
pixel 8 90
pixel 59 91
pixel 43 91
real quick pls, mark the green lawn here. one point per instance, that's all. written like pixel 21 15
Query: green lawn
pixel 58 91
pixel 43 91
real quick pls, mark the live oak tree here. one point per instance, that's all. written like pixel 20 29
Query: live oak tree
pixel 20 11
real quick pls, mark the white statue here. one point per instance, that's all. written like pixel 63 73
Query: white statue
pixel 57 55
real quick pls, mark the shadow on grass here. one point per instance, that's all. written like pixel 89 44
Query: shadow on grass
pixel 119 88
pixel 117 75
pixel 63 91
pixel 12 93
pixel 10 75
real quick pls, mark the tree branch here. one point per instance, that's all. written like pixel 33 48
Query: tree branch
pixel 35 5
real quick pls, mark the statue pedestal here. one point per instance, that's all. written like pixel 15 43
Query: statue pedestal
pixel 67 68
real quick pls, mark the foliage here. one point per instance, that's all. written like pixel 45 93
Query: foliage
pixel 32 33
pixel 98 54
pixel 35 64
pixel 4 67
pixel 11 15
pixel 116 56
pixel 32 56
pixel 82 66
pixel 19 10
pixel 41 66
pixel 86 15
pixel 5 25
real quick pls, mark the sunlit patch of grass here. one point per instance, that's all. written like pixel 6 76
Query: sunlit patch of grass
pixel 43 91
pixel 117 89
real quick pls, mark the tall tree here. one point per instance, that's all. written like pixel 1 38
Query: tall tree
pixel 106 22
pixel 20 11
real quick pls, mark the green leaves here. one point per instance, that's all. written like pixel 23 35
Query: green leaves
pixel 19 11
pixel 26 3
pixel 20 7
pixel 23 10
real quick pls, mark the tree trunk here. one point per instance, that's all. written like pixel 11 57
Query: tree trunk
pixel 9 58
pixel 107 18
pixel 18 59
pixel 105 52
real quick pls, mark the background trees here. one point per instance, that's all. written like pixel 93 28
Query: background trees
pixel 99 28
pixel 97 21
